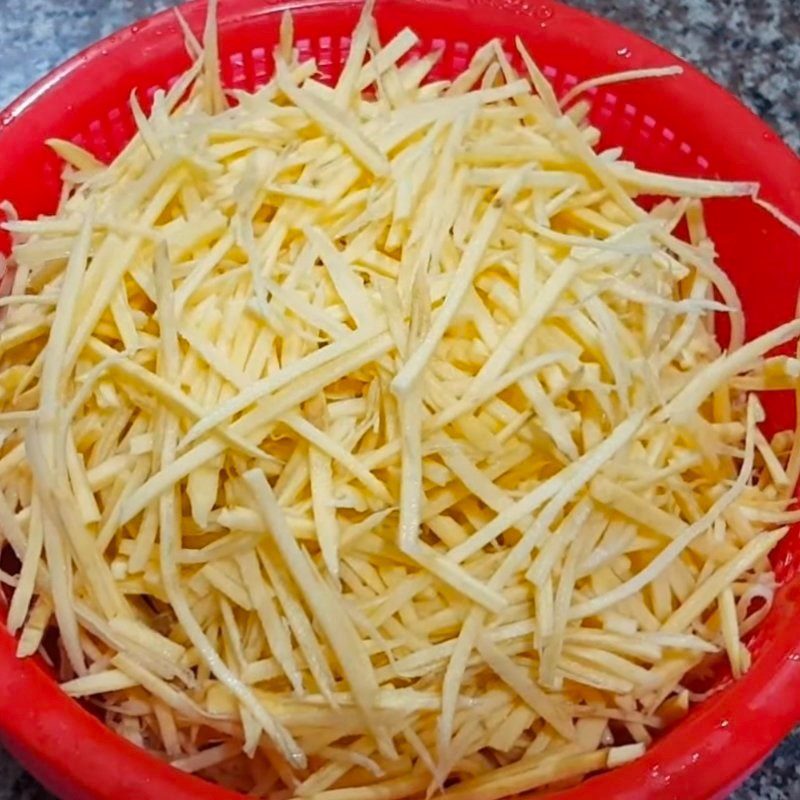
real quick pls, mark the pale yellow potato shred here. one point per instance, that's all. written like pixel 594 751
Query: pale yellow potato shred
pixel 370 441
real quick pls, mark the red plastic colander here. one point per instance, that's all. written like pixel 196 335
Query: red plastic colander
pixel 686 125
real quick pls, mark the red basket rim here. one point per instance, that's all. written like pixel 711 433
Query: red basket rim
pixel 721 742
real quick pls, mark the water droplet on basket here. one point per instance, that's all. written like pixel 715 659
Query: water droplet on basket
pixel 724 723
pixel 695 757
pixel 544 12
pixel 794 657
pixel 624 52
pixel 134 29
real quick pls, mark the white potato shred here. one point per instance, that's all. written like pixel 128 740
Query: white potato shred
pixel 370 441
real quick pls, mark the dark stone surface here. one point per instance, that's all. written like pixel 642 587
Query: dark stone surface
pixel 750 46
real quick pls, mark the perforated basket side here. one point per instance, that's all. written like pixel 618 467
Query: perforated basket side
pixel 622 123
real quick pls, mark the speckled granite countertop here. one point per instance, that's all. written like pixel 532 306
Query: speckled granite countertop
pixel 750 46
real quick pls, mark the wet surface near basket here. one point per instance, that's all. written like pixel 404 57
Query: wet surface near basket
pixel 752 48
